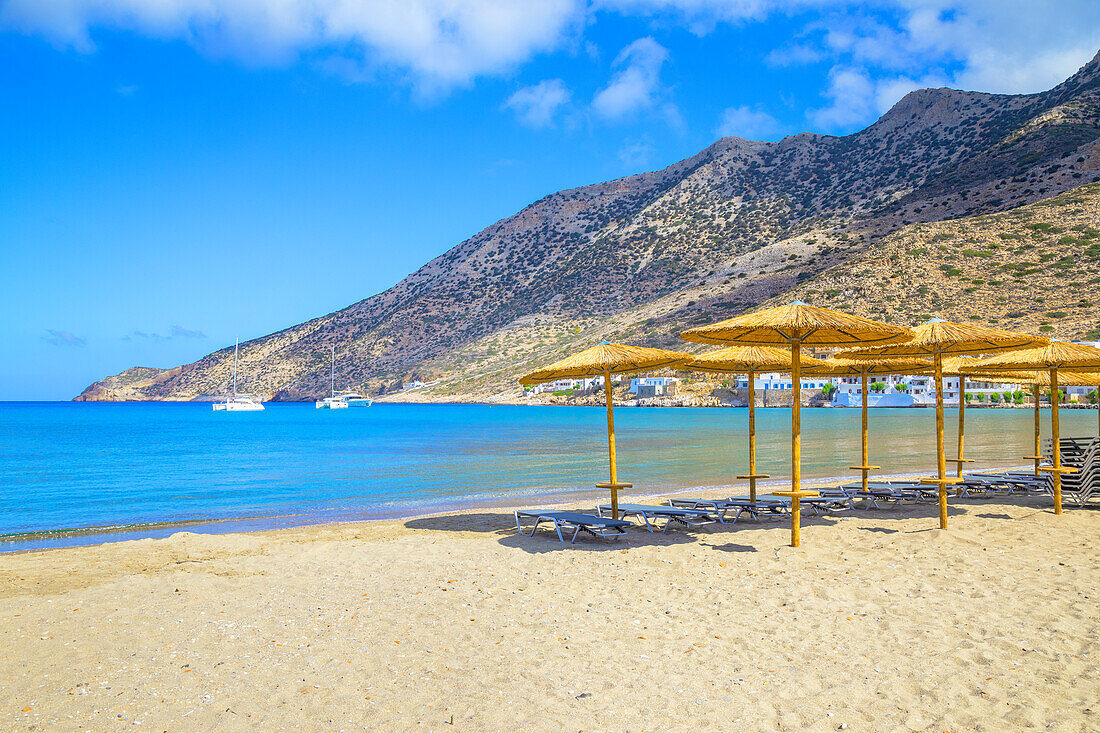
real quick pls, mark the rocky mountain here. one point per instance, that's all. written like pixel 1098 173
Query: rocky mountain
pixel 738 224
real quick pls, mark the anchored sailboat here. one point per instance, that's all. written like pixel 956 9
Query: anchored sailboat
pixel 332 402
pixel 238 402
pixel 344 399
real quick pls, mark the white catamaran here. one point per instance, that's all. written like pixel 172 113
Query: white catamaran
pixel 343 400
pixel 238 402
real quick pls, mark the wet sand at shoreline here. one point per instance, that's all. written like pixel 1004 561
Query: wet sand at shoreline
pixel 878 622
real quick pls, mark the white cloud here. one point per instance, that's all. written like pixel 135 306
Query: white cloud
pixel 636 153
pixel 1010 46
pixel 1001 46
pixel 702 15
pixel 437 44
pixel 747 122
pixel 637 82
pixel 187 333
pixel 536 106
pixel 64 338
pixel 856 98
pixel 851 93
pixel 796 54
pixel 176 332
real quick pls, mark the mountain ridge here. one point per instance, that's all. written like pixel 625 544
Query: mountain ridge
pixel 740 222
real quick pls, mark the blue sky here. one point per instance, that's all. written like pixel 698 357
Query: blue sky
pixel 175 174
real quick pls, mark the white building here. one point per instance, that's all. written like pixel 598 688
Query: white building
pixel 662 385
pixel 579 385
pixel 909 390
pixel 645 387
pixel 775 380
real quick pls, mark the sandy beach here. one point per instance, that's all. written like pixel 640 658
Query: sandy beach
pixel 880 622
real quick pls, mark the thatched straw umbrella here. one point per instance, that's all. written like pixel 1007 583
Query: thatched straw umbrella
pixel 796 325
pixel 603 360
pixel 938 338
pixel 961 366
pixel 1037 380
pixel 966 366
pixel 1055 356
pixel 748 360
pixel 840 366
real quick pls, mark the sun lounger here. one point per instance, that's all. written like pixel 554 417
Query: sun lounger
pixel 895 491
pixel 649 514
pixel 840 495
pixel 716 507
pixel 772 504
pixel 764 504
pixel 592 524
pixel 1009 482
pixel 720 508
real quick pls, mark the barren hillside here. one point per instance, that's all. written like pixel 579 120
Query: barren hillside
pixel 739 224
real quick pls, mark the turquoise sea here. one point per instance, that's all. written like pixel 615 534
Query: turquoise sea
pixel 74 473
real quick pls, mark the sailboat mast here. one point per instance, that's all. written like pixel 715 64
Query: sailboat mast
pixel 332 372
pixel 236 346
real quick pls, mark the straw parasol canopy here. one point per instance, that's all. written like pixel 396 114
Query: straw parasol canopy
pixel 748 360
pixel 1053 357
pixel 604 360
pixel 937 338
pixel 794 325
pixel 961 367
pixel 841 366
pixel 1042 379
pixel 797 321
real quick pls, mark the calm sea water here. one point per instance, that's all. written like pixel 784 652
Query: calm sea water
pixel 141 470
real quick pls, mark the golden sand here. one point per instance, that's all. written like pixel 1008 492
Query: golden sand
pixel 879 622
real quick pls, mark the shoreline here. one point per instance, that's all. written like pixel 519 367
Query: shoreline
pixel 618 404
pixel 54 539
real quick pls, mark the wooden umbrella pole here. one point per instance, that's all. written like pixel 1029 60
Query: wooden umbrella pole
pixel 1055 435
pixel 752 435
pixel 962 415
pixel 1038 442
pixel 611 446
pixel 941 459
pixel 796 439
pixel 866 457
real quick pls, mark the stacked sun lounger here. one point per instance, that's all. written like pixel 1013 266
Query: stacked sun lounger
pixel 1084 455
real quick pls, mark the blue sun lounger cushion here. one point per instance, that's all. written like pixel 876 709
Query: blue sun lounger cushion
pixel 592 524
pixel 649 515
